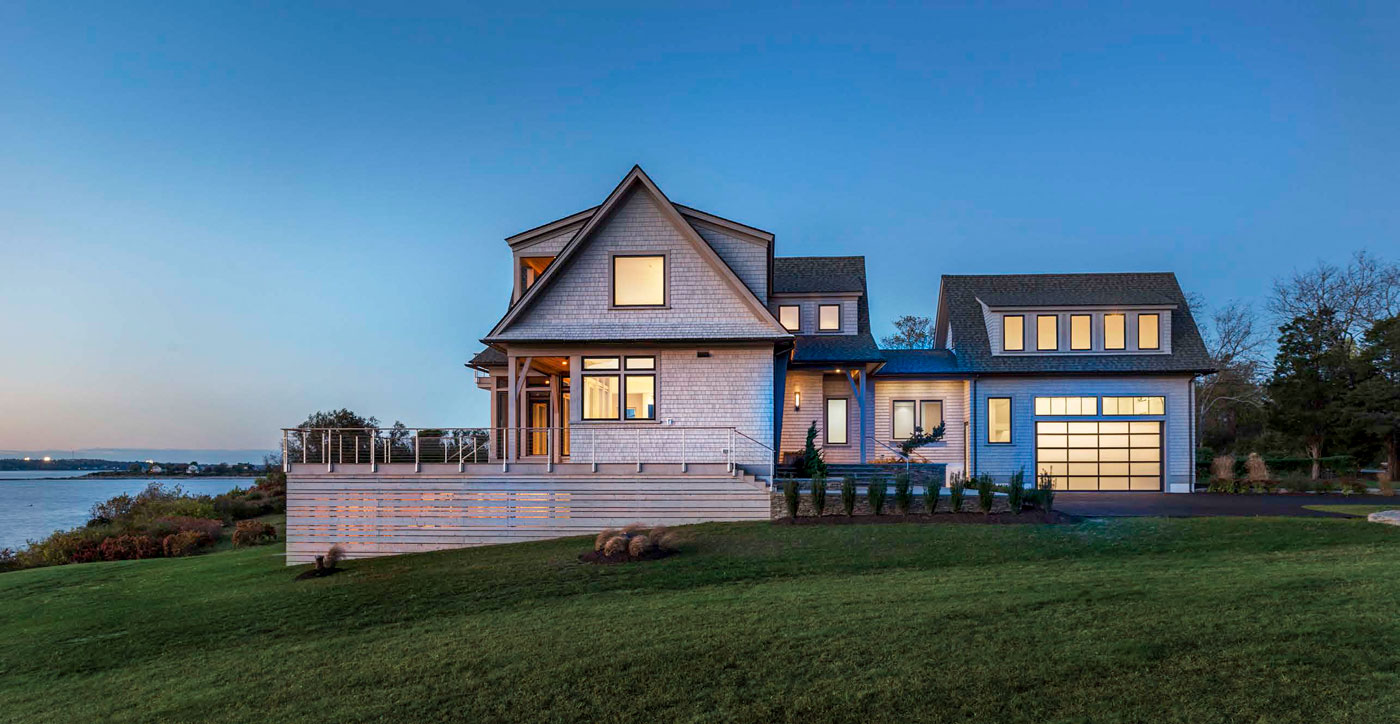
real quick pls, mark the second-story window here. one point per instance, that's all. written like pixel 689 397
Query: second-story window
pixel 829 317
pixel 1149 331
pixel 1047 332
pixel 1081 335
pixel 1013 333
pixel 531 268
pixel 791 317
pixel 1114 331
pixel 639 281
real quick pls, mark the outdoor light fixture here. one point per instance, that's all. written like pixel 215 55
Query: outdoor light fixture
pixel 797 400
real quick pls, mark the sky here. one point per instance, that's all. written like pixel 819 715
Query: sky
pixel 216 218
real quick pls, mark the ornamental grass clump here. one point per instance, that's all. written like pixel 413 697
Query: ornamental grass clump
pixel 1222 468
pixel 986 491
pixel 615 545
pixel 848 496
pixel 1255 469
pixel 791 497
pixel 818 494
pixel 1016 491
pixel 636 542
pixel 903 496
pixel 1045 492
pixel 875 494
pixel 957 487
pixel 603 537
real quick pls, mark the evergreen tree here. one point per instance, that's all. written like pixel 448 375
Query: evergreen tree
pixel 1311 381
pixel 1376 399
pixel 810 463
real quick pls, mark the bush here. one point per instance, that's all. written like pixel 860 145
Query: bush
pixel 875 494
pixel 957 485
pixel 603 537
pixel 848 496
pixel 1016 491
pixel 818 494
pixel 1297 482
pixel 809 462
pixel 253 533
pixel 1222 468
pixel 903 495
pixel 181 523
pixel 931 491
pixel 1354 487
pixel 985 493
pixel 791 497
pixel 129 548
pixel 184 543
pixel 1325 486
pixel 615 545
pixel 1255 468
pixel 1045 492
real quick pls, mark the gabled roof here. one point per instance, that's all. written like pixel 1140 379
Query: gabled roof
pixel 833 275
pixel 919 362
pixel 637 179
pixel 960 311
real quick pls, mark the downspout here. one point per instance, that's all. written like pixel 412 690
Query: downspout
pixel 780 364
pixel 972 417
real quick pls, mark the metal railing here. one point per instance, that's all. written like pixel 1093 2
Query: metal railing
pixel 592 444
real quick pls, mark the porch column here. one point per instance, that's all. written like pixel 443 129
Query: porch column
pixel 512 412
pixel 858 392
pixel 555 436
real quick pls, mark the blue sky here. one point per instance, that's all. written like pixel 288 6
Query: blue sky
pixel 217 217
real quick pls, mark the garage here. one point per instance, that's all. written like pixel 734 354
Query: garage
pixel 1100 455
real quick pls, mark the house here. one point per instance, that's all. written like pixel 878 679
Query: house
pixel 663 315
pixel 658 362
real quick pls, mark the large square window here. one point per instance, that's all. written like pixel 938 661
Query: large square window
pixel 1013 333
pixel 639 281
pixel 829 317
pixel 791 317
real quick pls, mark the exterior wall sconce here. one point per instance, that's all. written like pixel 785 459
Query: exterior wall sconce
pixel 797 400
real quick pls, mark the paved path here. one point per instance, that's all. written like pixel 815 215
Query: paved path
pixel 1203 504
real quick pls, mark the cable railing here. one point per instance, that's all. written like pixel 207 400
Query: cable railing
pixel 592 444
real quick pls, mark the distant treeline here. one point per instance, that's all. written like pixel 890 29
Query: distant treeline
pixel 70 464
pixel 134 466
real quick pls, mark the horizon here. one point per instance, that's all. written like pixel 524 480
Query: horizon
pixel 223 219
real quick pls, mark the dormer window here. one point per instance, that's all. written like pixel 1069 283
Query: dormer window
pixel 790 315
pixel 1013 333
pixel 531 268
pixel 1081 334
pixel 1149 331
pixel 639 281
pixel 1047 332
pixel 1115 331
pixel 829 318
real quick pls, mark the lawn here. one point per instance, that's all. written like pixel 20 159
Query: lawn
pixel 1356 510
pixel 1129 620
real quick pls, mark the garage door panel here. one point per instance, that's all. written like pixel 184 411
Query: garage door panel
pixel 1147 483
pixel 1114 484
pixel 1092 455
pixel 1142 455
pixel 1083 483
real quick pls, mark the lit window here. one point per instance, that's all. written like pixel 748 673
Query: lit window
pixel 903 419
pixel 531 267
pixel 1081 335
pixel 1047 332
pixel 999 420
pixel 1148 331
pixel 1066 406
pixel 1134 405
pixel 791 317
pixel 639 281
pixel 836 421
pixel 1114 326
pixel 829 317
pixel 1013 333
pixel 600 397
pixel 641 363
pixel 600 363
pixel 931 414
pixel 641 397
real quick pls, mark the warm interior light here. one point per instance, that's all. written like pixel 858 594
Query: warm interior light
pixel 48 459
pixel 797 400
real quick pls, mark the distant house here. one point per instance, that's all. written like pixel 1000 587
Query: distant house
pixel 192 470
pixel 156 470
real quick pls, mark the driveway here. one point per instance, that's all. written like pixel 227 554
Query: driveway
pixel 1180 505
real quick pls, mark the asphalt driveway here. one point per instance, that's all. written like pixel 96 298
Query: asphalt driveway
pixel 1178 505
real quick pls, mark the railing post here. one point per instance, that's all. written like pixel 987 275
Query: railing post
pixel 683 450
pixel 286 464
pixel 462 453
pixel 326 448
pixel 729 453
pixel 593 448
pixel 303 447
pixel 639 448
pixel 417 446
pixel 373 459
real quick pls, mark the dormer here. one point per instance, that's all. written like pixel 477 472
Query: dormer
pixel 1139 329
pixel 817 314
pixel 532 251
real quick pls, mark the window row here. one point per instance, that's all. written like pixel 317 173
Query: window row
pixel 1055 406
pixel 619 388
pixel 1081 332
pixel 828 317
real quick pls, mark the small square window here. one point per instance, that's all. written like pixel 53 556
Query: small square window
pixel 829 318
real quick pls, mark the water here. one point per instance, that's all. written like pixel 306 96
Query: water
pixel 33 504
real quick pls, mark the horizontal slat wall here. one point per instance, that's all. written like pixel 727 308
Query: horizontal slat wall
pixel 374 515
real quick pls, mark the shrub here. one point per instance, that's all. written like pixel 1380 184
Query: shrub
pixel 1045 492
pixel 663 538
pixel 1297 482
pixel 8 560
pixel 1387 487
pixel 184 543
pixel 253 533
pixel 183 523
pixel 129 548
pixel 791 497
pixel 603 538
pixel 1325 486
pixel 1016 491
pixel 638 545
pixel 931 491
pixel 1222 467
pixel 903 496
pixel 818 494
pixel 957 485
pixel 848 496
pixel 615 545
pixel 1255 468
pixel 1354 487
pixel 875 494
pixel 985 492
pixel 809 461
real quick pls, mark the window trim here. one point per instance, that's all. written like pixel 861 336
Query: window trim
pixel 1021 344
pixel 1124 332
pixel 1035 406
pixel 1010 421
pixel 837 328
pixel 621 373
pixel 1105 413
pixel 1157 343
pixel 826 420
pixel 914 423
pixel 1090 319
pixel 665 258
pixel 622 398
pixel 1038 346
pixel 798 308
pixel 583 398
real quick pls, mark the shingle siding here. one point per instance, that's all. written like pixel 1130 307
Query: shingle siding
pixel 953 393
pixel 748 259
pixel 578 303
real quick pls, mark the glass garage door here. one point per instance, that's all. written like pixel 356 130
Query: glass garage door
pixel 1100 455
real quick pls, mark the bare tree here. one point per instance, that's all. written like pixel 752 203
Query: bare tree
pixel 910 333
pixel 1365 290
pixel 1235 345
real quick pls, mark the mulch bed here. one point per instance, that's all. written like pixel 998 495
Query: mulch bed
pixel 597 557
pixel 1027 517
pixel 318 573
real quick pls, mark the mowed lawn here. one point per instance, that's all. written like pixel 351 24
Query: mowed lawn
pixel 1129 620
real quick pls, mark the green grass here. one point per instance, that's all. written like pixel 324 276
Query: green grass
pixel 1130 620
pixel 1356 510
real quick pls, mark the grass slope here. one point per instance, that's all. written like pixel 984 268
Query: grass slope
pixel 1132 620
pixel 1352 509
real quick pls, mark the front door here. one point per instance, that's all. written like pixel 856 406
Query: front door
pixel 537 437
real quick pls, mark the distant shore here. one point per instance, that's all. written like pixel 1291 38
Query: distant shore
pixel 123 474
